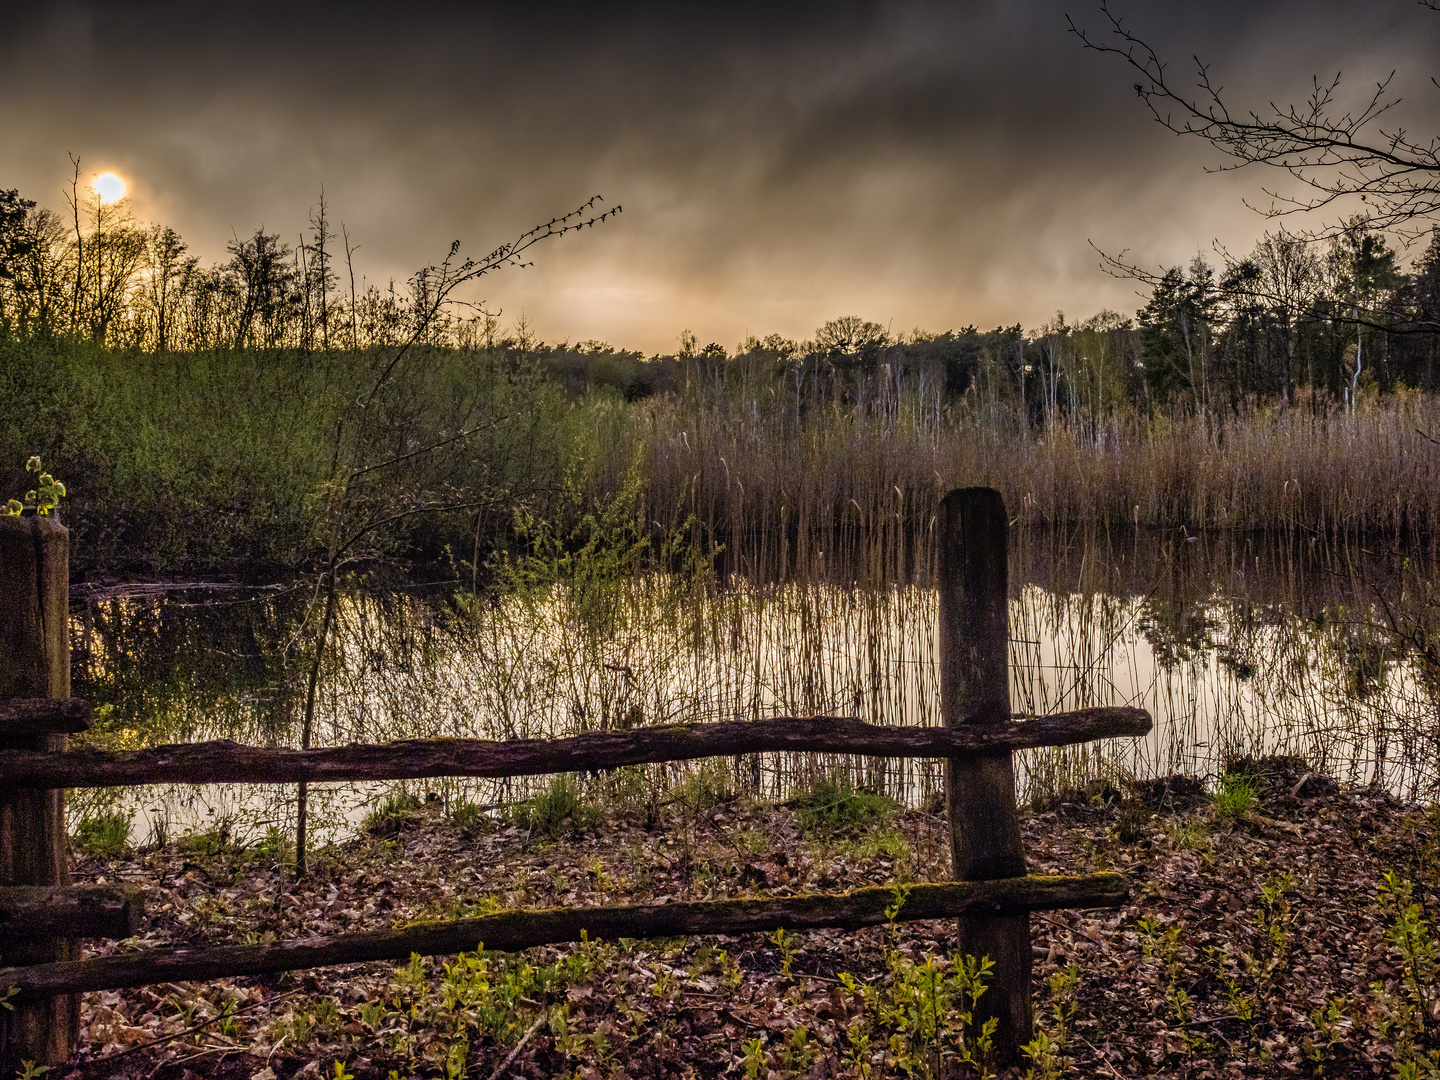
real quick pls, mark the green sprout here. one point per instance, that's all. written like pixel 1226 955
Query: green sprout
pixel 45 495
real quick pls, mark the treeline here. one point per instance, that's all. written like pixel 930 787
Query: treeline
pixel 195 413
pixel 1340 316
pixel 100 275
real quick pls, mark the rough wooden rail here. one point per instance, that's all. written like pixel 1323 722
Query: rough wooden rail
pixel 99 911
pixel 25 717
pixel 228 762
pixel 516 930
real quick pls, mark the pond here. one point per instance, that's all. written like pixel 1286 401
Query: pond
pixel 1236 645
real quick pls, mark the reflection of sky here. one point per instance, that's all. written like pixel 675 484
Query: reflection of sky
pixel 1220 682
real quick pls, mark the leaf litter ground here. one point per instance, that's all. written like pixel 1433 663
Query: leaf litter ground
pixel 1265 945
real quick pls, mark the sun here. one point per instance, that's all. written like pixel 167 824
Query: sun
pixel 109 187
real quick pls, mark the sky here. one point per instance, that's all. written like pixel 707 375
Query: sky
pixel 919 164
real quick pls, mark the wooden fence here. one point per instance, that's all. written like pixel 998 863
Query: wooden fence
pixel 42 914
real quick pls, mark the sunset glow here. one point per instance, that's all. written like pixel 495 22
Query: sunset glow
pixel 109 187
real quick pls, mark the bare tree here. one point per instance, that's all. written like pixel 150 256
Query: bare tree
pixel 1335 154
pixel 269 288
pixel 371 451
pixel 319 273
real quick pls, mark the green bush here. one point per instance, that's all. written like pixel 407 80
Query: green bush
pixel 106 834
pixel 833 804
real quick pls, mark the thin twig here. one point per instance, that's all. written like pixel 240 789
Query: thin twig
pixel 519 1046
pixel 221 1050
pixel 1056 922
pixel 1108 1067
pixel 193 1030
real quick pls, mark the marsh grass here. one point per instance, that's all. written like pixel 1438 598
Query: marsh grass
pixel 862 482
pixel 390 815
pixel 561 808
pixel 1236 796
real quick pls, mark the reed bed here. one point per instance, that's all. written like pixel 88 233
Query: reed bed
pixel 862 485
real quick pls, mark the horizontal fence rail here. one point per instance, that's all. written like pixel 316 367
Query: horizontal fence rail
pixel 99 911
pixel 517 930
pixel 228 762
pixel 23 717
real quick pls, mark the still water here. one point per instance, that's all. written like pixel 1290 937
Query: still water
pixel 1235 645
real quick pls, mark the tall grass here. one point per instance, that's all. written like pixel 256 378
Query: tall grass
pixel 211 462
pixel 863 485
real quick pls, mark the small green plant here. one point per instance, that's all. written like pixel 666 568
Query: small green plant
pixel 229 1026
pixel 560 808
pixel 275 846
pixel 785 944
pixel 924 1014
pixel 798 1053
pixel 833 804
pixel 754 1058
pixel 389 817
pixel 45 496
pixel 327 1012
pixel 1236 797
pixel 1332 1025
pixel 1161 945
pixel 465 814
pixel 1190 836
pixel 887 842
pixel 372 1014
pixel 1043 1053
pixel 1413 938
pixel 730 971
pixel 106 834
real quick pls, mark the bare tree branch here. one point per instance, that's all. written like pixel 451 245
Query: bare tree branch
pixel 1335 155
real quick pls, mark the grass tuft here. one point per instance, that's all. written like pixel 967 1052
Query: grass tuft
pixel 1237 796
pixel 106 834
pixel 833 804
pixel 561 809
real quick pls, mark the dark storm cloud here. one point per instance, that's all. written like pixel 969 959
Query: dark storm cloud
pixel 929 164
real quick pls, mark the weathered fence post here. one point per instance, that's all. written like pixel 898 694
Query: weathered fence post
pixel 35 663
pixel 980 788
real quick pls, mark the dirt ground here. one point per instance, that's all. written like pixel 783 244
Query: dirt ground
pixel 1265 943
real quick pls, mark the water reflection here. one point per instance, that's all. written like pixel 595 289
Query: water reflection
pixel 1236 646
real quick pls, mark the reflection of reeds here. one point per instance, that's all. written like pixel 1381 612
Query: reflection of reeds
pixel 1237 645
